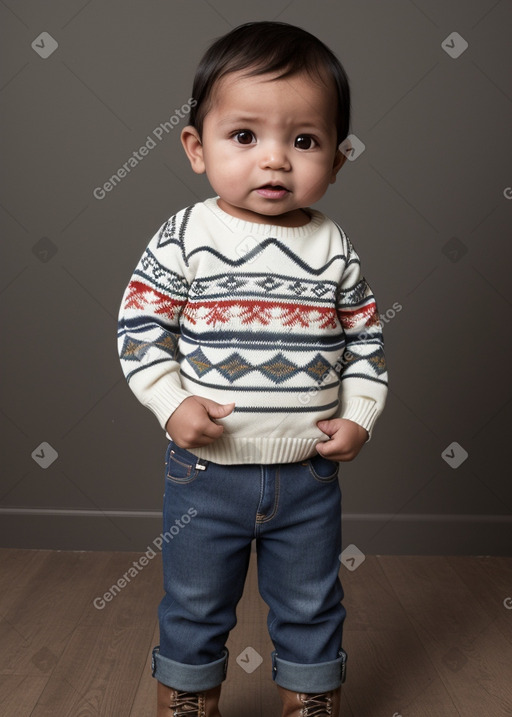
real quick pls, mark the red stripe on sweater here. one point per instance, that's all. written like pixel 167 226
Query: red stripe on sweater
pixel 142 297
pixel 352 317
pixel 261 312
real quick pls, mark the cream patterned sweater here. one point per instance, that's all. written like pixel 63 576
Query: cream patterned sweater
pixel 278 320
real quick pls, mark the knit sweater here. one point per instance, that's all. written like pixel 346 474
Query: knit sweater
pixel 278 320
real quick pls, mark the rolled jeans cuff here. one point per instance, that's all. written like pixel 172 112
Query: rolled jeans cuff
pixel 189 678
pixel 317 677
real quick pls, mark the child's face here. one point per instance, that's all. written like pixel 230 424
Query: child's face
pixel 268 146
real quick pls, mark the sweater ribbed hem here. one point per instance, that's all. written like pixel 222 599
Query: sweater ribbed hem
pixel 227 450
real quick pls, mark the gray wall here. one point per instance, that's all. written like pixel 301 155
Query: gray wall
pixel 428 205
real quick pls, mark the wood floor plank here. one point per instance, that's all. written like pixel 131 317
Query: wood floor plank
pixel 18 568
pixel 474 671
pixel 46 610
pixel 19 694
pixel 433 595
pixel 19 571
pixel 370 600
pixel 97 675
pixel 489 580
pixel 388 669
pixel 456 633
pixel 66 585
pixel 390 673
pixel 144 704
pixel 101 668
pixel 135 598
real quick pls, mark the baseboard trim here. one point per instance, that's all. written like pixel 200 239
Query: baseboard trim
pixel 82 513
pixel 372 533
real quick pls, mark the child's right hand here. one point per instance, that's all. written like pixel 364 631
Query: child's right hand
pixel 192 424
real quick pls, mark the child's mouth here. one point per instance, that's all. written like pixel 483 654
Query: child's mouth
pixel 270 191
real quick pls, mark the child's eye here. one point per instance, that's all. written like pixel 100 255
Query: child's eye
pixel 304 141
pixel 244 136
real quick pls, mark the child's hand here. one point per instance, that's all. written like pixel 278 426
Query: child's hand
pixel 346 439
pixel 192 424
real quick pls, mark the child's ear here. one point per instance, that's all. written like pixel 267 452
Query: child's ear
pixel 193 147
pixel 339 161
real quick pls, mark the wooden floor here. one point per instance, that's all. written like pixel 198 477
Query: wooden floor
pixel 425 637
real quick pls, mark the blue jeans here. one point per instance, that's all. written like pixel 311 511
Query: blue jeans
pixel 212 513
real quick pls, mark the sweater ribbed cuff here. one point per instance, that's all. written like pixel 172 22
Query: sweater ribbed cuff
pixel 162 396
pixel 363 411
pixel 165 401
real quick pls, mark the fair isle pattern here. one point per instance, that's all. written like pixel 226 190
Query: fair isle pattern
pixel 277 369
pixel 249 312
pixel 264 328
pixel 142 296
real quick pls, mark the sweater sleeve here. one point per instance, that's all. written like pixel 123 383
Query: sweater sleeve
pixel 148 326
pixel 363 365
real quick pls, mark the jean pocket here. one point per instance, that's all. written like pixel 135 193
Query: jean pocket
pixel 181 465
pixel 323 469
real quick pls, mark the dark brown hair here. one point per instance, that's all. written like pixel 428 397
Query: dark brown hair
pixel 269 47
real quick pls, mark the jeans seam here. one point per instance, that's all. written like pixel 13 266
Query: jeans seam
pixel 319 479
pixel 191 473
pixel 262 484
pixel 267 518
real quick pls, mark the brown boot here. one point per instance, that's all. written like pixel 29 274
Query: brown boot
pixel 174 703
pixel 299 704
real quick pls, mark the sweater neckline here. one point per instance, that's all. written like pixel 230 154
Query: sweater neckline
pixel 241 225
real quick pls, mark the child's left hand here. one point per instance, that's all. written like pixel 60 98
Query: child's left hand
pixel 346 439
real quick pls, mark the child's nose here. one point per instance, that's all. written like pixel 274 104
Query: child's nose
pixel 275 156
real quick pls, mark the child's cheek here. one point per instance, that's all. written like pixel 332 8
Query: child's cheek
pixel 230 179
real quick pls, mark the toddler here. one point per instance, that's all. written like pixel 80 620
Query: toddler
pixel 249 330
